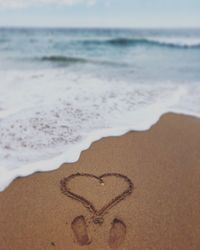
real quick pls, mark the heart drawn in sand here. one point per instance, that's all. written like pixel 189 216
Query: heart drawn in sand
pixel 97 214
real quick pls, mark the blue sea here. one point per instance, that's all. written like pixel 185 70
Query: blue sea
pixel 62 89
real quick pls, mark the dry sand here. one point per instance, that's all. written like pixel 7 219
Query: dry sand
pixel 162 212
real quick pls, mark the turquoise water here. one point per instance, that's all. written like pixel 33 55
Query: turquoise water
pixel 135 53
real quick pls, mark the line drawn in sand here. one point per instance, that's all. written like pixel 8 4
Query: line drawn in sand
pixel 79 227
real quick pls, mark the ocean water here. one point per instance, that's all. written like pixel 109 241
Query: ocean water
pixel 62 89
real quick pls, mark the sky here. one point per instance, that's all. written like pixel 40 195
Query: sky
pixel 100 13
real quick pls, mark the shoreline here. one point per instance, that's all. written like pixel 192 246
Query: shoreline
pixel 74 154
pixel 161 213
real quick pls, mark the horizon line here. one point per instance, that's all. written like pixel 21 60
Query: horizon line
pixel 96 27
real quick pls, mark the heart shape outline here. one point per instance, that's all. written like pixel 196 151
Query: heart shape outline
pixel 97 214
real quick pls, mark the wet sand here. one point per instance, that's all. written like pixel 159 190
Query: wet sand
pixel 162 211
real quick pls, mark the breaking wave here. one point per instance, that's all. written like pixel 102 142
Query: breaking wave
pixel 170 43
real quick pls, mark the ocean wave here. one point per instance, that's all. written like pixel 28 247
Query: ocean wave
pixel 75 60
pixel 146 42
pixel 64 59
pixel 75 111
pixel 41 129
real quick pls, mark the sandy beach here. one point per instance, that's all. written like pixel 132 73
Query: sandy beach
pixel 159 211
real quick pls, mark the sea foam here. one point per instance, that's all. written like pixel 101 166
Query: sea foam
pixel 48 117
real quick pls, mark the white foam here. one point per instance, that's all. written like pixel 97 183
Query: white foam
pixel 179 41
pixel 48 117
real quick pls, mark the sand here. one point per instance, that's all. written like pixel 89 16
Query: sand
pixel 161 212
